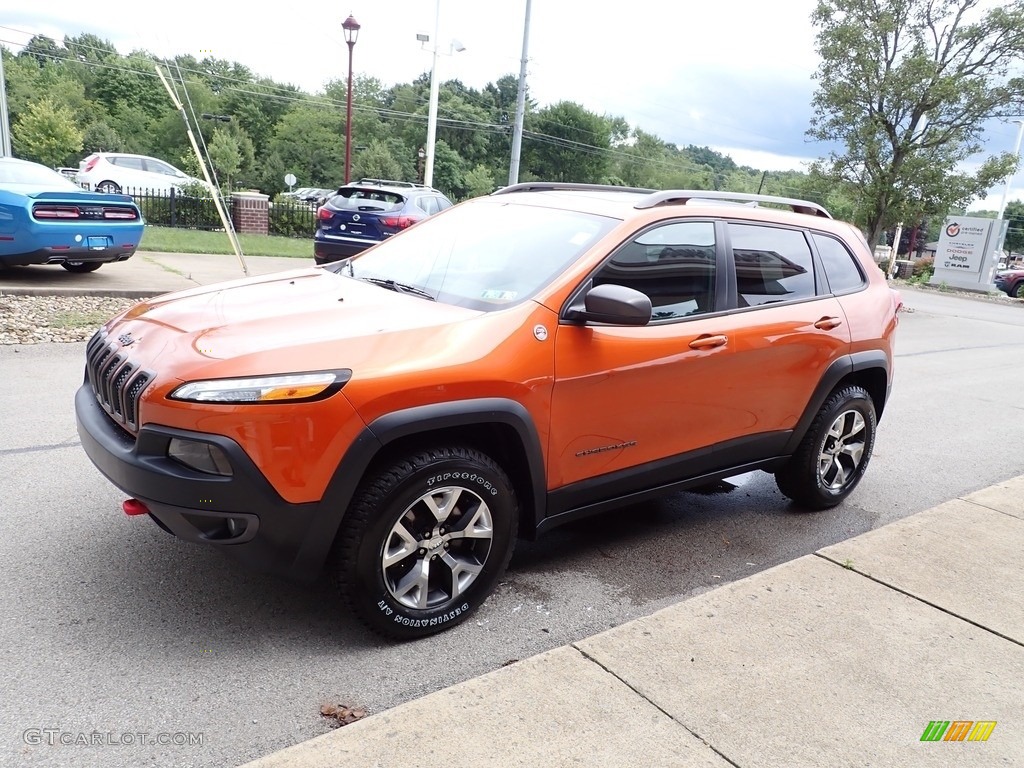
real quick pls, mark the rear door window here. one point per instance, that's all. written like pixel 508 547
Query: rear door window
pixel 772 264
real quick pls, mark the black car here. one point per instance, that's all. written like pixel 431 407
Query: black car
pixel 370 210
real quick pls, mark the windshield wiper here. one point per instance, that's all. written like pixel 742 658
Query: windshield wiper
pixel 391 285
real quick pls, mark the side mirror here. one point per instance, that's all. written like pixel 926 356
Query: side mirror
pixel 615 304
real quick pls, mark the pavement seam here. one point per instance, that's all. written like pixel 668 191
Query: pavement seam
pixel 35 448
pixel 667 714
pixel 985 506
pixel 920 599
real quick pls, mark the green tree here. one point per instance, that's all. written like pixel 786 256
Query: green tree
pixel 225 155
pixel 47 134
pixel 905 86
pixel 479 181
pixel 1014 216
pixel 100 137
pixel 43 49
pixel 568 143
pixel 376 162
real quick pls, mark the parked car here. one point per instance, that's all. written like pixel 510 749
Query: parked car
pixel 371 210
pixel 47 219
pixel 1011 282
pixel 519 361
pixel 118 172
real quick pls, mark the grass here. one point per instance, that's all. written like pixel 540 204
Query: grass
pixel 174 240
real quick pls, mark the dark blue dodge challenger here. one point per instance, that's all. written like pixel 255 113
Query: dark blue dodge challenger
pixel 47 219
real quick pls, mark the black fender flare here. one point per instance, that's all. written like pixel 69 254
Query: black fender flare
pixel 413 421
pixel 836 372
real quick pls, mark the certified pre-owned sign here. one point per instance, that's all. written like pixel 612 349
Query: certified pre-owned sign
pixel 961 246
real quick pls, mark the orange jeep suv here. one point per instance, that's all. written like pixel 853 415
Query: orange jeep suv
pixel 521 360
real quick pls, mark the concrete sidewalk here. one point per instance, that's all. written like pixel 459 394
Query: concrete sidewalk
pixel 842 657
pixel 145 274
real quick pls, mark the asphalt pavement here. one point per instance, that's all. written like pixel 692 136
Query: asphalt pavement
pixel 844 656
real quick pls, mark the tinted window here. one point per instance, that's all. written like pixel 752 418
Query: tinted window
pixel 158 167
pixel 840 265
pixel 428 204
pixel 772 265
pixel 367 200
pixel 135 163
pixel 674 264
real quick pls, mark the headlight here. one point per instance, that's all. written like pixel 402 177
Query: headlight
pixel 293 387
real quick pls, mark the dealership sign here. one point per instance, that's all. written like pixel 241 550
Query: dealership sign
pixel 964 243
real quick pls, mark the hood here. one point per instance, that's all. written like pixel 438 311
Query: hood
pixel 308 319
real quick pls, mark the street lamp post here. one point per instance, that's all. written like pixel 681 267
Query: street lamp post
pixel 351 27
pixel 454 47
pixel 419 166
pixel 997 254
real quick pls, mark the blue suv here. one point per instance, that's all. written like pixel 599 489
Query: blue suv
pixel 370 210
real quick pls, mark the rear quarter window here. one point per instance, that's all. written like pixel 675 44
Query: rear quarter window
pixel 841 268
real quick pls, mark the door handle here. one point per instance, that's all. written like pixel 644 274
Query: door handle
pixel 708 342
pixel 828 323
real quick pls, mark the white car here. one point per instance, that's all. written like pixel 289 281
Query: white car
pixel 118 172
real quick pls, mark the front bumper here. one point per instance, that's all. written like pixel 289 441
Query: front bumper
pixel 242 514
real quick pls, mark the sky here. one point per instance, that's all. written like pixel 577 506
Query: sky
pixel 734 75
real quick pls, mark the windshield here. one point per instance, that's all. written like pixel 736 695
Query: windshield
pixel 33 174
pixel 483 256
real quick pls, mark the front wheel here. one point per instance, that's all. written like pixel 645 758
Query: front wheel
pixel 834 454
pixel 81 266
pixel 1018 290
pixel 426 540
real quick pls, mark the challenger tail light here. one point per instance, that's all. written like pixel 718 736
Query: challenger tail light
pixel 56 212
pixel 120 213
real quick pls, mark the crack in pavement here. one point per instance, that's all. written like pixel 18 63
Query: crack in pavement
pixel 37 448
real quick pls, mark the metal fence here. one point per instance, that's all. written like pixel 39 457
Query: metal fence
pixel 288 217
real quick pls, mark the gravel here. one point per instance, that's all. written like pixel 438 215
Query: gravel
pixel 43 319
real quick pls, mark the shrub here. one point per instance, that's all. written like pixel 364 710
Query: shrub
pixel 924 268
pixel 291 218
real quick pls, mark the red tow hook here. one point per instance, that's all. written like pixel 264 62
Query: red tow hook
pixel 134 507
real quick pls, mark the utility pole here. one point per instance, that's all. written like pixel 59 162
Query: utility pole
pixel 5 124
pixel 214 189
pixel 517 131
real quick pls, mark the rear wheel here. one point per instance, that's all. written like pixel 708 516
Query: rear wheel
pixel 81 266
pixel 834 454
pixel 425 541
pixel 108 187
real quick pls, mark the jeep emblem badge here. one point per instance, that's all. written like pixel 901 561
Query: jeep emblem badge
pixel 540 332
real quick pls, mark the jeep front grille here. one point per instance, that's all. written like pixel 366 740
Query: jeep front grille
pixel 116 382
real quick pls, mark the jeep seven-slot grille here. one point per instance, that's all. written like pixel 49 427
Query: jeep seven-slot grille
pixel 116 382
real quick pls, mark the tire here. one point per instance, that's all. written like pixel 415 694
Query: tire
pixel 834 454
pixel 108 187
pixel 81 266
pixel 1017 291
pixel 400 568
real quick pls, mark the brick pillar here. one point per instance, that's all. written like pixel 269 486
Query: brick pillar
pixel 250 213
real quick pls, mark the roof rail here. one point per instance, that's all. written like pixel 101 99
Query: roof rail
pixel 392 183
pixel 682 196
pixel 549 186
